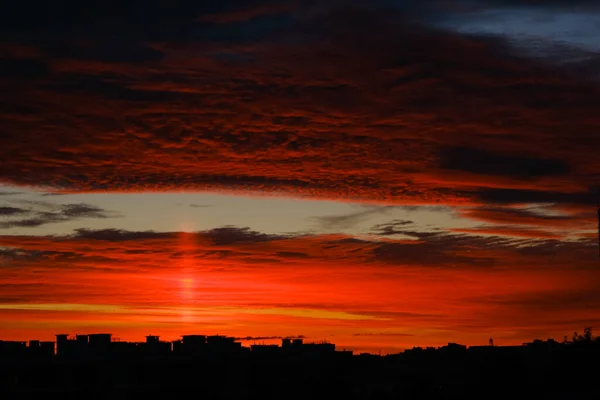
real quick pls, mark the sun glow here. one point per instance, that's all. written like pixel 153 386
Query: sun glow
pixel 187 271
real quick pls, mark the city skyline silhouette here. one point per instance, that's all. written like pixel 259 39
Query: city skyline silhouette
pixel 379 175
pixel 219 367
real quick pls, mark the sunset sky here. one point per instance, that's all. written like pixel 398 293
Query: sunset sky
pixel 380 174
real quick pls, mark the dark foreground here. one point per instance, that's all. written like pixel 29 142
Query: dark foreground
pixel 536 372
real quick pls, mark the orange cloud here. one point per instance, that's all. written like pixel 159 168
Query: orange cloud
pixel 445 287
pixel 349 103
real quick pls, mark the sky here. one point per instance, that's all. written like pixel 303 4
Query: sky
pixel 380 175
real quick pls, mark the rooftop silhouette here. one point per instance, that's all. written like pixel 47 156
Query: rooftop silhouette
pixel 216 366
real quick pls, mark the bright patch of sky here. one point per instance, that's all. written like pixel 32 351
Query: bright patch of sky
pixel 176 212
pixel 538 32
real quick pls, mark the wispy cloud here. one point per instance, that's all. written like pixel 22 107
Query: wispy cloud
pixel 346 286
pixel 34 214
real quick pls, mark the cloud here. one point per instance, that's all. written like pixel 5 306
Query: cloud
pixel 231 235
pixel 350 220
pixel 541 221
pixel 353 288
pixel 527 216
pixel 391 228
pixel 279 98
pixel 118 235
pixel 487 163
pixel 22 69
pixel 464 248
pixel 372 103
pixel 538 29
pixel 9 211
pixel 48 213
pixel 588 197
pixel 510 231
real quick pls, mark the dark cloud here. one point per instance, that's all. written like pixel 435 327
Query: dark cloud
pixel 149 20
pixel 523 216
pixel 542 221
pixel 23 68
pixel 82 211
pixel 581 299
pixel 118 235
pixel 507 196
pixel 510 230
pixel 14 254
pixel 226 235
pixel 349 220
pixel 476 247
pixel 461 249
pixel 108 52
pixel 442 250
pixel 9 211
pixel 536 3
pixel 484 283
pixel 391 228
pixel 485 162
pixel 111 90
pixel 292 254
pixel 335 100
pixel 42 213
pixel 233 235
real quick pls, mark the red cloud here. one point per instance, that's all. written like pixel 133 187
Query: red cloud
pixel 568 220
pixel 354 107
pixel 313 285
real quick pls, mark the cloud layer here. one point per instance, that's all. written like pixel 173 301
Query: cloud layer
pixel 31 214
pixel 334 101
pixel 437 287
pixel 401 103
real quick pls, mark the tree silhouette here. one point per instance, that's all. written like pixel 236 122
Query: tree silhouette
pixel 587 334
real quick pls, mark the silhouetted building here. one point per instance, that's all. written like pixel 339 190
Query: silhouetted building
pixel 453 350
pixel 298 349
pixel 222 342
pixel 123 350
pixel 67 347
pixel 11 349
pixel 297 370
pixel 154 347
pixel 99 345
pixel 193 345
pixel 82 340
pixel 152 340
pixel 100 340
pixel 265 350
pixel 40 349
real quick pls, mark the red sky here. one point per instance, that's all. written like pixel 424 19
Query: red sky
pixel 373 105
